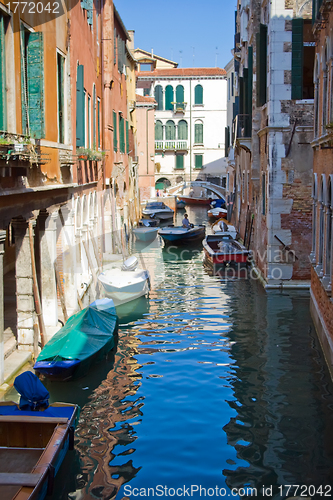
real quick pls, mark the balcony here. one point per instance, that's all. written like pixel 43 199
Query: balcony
pixel 241 131
pixel 179 107
pixel 171 145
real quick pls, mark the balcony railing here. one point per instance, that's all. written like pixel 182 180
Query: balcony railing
pixel 241 127
pixel 179 107
pixel 171 145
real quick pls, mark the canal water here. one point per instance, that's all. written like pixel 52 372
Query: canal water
pixel 216 388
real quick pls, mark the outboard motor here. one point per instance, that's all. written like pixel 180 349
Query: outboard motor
pixel 130 264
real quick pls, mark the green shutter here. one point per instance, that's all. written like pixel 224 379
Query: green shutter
pixel 180 161
pixel 24 96
pixel 94 118
pixel 90 6
pixel 180 97
pixel 198 94
pixel 115 140
pixel 297 59
pixel 198 133
pixel 261 66
pixel 3 100
pixel 80 107
pixel 159 97
pixel 226 140
pixel 170 131
pixel 168 98
pixel 182 130
pixel 61 98
pixel 158 131
pixel 99 123
pixel 127 137
pixel 121 135
pixel 35 82
pixel 198 161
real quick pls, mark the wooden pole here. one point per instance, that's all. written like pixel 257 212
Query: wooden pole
pixel 36 334
pixel 79 301
pixel 91 267
pixel 61 293
pixel 35 288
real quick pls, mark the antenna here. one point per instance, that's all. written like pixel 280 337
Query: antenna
pixel 180 58
pixel 193 55
pixel 216 54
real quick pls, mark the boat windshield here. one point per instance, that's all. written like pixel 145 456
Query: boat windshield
pixel 155 205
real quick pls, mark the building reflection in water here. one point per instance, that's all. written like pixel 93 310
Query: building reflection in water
pixel 279 428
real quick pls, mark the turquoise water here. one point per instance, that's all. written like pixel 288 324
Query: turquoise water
pixel 215 386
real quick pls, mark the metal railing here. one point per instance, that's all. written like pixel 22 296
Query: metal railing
pixel 171 145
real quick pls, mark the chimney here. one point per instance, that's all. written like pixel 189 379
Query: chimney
pixel 131 42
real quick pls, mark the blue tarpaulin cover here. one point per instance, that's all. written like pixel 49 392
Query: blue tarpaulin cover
pixel 33 393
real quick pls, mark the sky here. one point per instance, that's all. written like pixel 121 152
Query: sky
pixel 193 33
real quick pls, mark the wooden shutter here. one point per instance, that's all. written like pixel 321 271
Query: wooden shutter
pixel 170 132
pixel 168 98
pixel 297 59
pixel 61 98
pixel 198 161
pixel 127 137
pixel 261 66
pixel 121 135
pixel 99 123
pixel 198 133
pixel 3 100
pixel 80 107
pixel 115 139
pixel 180 97
pixel 182 130
pixel 115 46
pixel 35 83
pixel 180 161
pixel 94 118
pixel 159 97
pixel 24 92
pixel 226 140
pixel 158 131
pixel 198 94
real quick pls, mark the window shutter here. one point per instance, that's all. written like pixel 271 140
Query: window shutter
pixel 24 95
pixel 80 107
pixel 226 140
pixel 121 135
pixel 3 107
pixel 158 131
pixel 297 59
pixel 127 137
pixel 99 123
pixel 198 94
pixel 61 98
pixel 182 130
pixel 89 7
pixel 198 133
pixel 180 161
pixel 94 118
pixel 261 66
pixel 115 140
pixel 115 47
pixel 35 82
pixel 250 81
pixel 159 97
pixel 168 98
pixel 180 97
pixel 198 161
pixel 170 131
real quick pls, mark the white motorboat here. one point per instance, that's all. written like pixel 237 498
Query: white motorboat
pixel 126 283
pixel 222 227
pixel 218 212
pixel 158 209
pixel 144 232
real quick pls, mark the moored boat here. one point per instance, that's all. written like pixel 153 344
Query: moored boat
pixel 180 204
pixel 223 249
pixel 85 338
pixel 158 210
pixel 217 213
pixel 194 200
pixel 34 439
pixel 179 235
pixel 125 284
pixel 143 233
pixel 222 226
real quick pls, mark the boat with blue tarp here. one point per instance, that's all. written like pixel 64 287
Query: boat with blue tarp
pixel 34 440
pixel 86 337
pixel 179 235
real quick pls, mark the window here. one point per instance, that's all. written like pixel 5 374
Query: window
pixel 3 100
pixel 145 67
pixel 115 46
pixel 61 97
pixel 232 84
pixel 198 161
pixel 146 91
pixel 169 98
pixel 127 137
pixel 121 134
pixel 198 94
pixel 180 105
pixel 99 122
pixel 158 131
pixel 89 122
pixel 94 118
pixel 302 62
pixel 182 130
pixel 121 54
pixel 261 47
pixel 198 133
pixel 159 97
pixel 115 138
pixel 179 162
pixel 32 83
pixel 170 131
pixel 80 107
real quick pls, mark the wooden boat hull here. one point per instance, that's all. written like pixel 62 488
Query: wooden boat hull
pixel 182 236
pixel 33 445
pixel 223 249
pixel 189 200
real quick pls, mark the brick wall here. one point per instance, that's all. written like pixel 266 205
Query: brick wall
pixel 324 303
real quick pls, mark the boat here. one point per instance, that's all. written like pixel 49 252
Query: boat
pixel 218 203
pixel 195 200
pixel 85 338
pixel 222 226
pixel 126 283
pixel 144 232
pixel 223 249
pixel 149 222
pixel 179 235
pixel 217 213
pixel 158 210
pixel 180 204
pixel 34 440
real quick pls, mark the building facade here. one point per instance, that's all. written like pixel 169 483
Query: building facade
pixel 190 120
pixel 322 229
pixel 273 129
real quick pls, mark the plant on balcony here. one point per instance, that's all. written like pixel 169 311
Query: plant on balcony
pixel 90 154
pixel 329 125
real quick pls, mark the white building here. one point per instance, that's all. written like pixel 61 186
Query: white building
pixel 190 121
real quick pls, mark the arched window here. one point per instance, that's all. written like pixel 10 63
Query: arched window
pixel 321 228
pixel 168 98
pixel 180 97
pixel 314 218
pixel 158 131
pixel 159 97
pixel 198 94
pixel 182 130
pixel 316 102
pixel 170 131
pixel 328 243
pixel 198 133
pixel 325 88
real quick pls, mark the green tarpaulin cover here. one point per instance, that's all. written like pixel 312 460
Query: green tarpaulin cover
pixel 85 333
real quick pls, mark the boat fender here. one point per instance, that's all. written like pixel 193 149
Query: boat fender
pixel 71 438
pixel 50 482
pixel 148 281
pixel 191 226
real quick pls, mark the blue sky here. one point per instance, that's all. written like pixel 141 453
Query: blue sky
pixel 193 33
